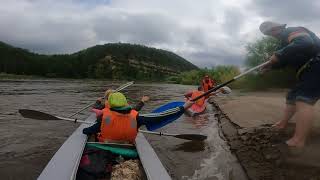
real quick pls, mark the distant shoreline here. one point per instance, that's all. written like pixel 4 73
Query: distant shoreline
pixel 17 77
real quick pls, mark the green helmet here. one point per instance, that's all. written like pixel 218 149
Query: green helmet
pixel 117 100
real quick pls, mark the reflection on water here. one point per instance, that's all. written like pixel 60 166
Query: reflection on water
pixel 27 145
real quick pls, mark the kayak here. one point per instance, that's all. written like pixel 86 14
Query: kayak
pixel 64 165
pixel 195 109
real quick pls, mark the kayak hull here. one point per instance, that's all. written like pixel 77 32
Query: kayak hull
pixel 64 164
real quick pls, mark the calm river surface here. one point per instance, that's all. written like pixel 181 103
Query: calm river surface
pixel 26 145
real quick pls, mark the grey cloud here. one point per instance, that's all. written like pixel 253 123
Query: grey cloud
pixel 288 10
pixel 207 59
pixel 135 28
pixel 49 37
pixel 215 56
pixel 234 19
pixel 197 37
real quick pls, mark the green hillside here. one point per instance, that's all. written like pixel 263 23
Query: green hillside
pixel 112 61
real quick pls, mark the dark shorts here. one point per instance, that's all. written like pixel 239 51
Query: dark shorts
pixel 308 87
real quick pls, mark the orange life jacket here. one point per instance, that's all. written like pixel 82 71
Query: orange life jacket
pixel 106 104
pixel 118 127
pixel 207 85
pixel 200 101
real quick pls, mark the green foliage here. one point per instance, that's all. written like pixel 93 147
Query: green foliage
pixel 109 61
pixel 102 69
pixel 258 53
pixel 218 73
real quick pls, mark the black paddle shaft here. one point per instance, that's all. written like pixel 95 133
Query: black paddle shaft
pixel 214 89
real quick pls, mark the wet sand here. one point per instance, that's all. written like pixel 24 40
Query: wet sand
pixel 246 119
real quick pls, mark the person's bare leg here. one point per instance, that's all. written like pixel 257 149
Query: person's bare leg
pixel 304 117
pixel 289 111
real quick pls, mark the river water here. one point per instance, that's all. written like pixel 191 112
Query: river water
pixel 27 145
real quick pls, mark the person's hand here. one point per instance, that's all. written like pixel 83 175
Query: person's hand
pixel 266 68
pixel 188 104
pixel 272 60
pixel 145 99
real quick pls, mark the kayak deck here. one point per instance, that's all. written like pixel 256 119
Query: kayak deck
pixel 64 164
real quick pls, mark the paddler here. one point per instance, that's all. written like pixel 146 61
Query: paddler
pixel 101 102
pixel 200 105
pixel 207 83
pixel 120 122
pixel 194 94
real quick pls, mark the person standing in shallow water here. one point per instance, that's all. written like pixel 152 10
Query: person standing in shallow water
pixel 300 50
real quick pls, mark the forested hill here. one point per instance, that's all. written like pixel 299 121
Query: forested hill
pixel 112 61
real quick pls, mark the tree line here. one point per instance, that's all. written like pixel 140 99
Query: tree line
pixel 110 61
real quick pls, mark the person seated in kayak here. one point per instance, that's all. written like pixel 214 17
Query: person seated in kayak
pixel 101 102
pixel 207 83
pixel 194 94
pixel 120 122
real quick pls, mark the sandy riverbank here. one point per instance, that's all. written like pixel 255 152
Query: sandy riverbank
pixel 245 120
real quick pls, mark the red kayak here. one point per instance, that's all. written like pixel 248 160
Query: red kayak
pixel 195 109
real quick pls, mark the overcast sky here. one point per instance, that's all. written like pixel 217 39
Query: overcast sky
pixel 205 32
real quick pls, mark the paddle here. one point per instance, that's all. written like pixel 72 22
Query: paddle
pixel 171 107
pixel 192 137
pixel 33 114
pixel 38 115
pixel 89 105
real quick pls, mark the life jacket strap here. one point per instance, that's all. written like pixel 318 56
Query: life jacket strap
pixel 296 34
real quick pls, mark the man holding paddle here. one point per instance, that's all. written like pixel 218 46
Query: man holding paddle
pixel 301 50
